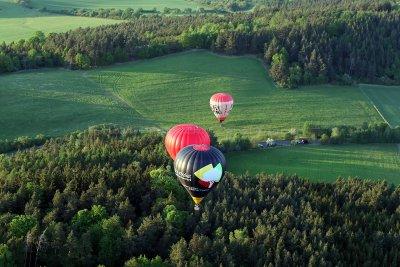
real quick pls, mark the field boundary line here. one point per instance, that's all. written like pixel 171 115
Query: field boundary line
pixel 117 97
pixel 373 104
pixel 109 93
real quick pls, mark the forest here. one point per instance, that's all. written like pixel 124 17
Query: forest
pixel 108 196
pixel 243 5
pixel 338 43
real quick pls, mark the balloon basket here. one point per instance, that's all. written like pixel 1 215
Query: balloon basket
pixel 196 207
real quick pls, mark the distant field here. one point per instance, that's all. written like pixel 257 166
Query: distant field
pixel 322 163
pixel 121 4
pixel 17 22
pixel 387 101
pixel 165 91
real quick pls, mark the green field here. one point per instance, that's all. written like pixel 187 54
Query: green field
pixel 56 102
pixel 177 89
pixel 322 163
pixel 165 91
pixel 386 99
pixel 17 22
pixel 120 4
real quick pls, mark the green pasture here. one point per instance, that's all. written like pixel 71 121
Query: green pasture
pixel 17 22
pixel 161 92
pixel 322 163
pixel 54 102
pixel 177 88
pixel 118 4
pixel 386 99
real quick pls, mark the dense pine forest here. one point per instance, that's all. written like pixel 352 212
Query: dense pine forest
pixel 340 42
pixel 108 196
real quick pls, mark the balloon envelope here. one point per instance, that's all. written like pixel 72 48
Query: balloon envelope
pixel 199 169
pixel 183 135
pixel 221 104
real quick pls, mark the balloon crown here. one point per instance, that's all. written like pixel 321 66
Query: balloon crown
pixel 201 147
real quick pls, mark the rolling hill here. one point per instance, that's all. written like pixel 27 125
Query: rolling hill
pixel 161 92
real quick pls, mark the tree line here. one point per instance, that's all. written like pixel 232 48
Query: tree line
pixel 129 13
pixel 364 134
pixel 108 196
pixel 244 5
pixel 304 45
pixel 21 143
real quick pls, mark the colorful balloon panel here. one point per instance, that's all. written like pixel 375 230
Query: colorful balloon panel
pixel 221 105
pixel 199 169
pixel 183 135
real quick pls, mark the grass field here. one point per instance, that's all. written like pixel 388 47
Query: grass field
pixel 165 91
pixel 386 99
pixel 17 22
pixel 56 102
pixel 322 163
pixel 121 4
pixel 177 89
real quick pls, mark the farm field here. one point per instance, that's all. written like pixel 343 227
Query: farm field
pixel 322 163
pixel 174 89
pixel 177 88
pixel 56 102
pixel 120 4
pixel 386 99
pixel 17 22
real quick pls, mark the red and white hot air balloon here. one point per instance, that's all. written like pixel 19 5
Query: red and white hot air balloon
pixel 221 104
pixel 182 135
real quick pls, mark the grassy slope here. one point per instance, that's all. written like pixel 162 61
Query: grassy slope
pixel 387 101
pixel 322 163
pixel 170 90
pixel 121 4
pixel 55 102
pixel 17 22
pixel 177 89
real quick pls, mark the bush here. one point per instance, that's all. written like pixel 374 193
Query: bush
pixel 20 225
pixel 325 139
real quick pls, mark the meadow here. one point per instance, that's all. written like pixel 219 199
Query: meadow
pixel 118 4
pixel 56 102
pixel 161 92
pixel 386 99
pixel 322 163
pixel 177 88
pixel 17 22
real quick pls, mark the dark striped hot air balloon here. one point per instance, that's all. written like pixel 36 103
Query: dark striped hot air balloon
pixel 221 104
pixel 199 169
pixel 183 135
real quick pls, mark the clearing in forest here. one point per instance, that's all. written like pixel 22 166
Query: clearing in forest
pixel 177 88
pixel 173 89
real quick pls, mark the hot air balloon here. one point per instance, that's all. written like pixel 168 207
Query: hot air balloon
pixel 183 135
pixel 199 169
pixel 221 104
